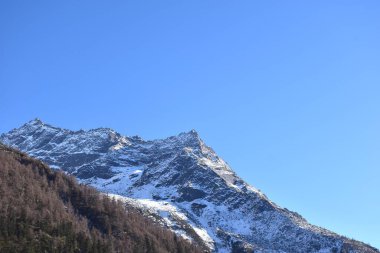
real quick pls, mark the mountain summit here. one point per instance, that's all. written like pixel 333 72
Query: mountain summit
pixel 181 182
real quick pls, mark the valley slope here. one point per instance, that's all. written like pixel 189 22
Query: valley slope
pixel 42 210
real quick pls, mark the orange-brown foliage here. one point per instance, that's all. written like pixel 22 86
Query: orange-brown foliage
pixel 42 210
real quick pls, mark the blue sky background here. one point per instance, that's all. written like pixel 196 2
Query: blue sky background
pixel 287 92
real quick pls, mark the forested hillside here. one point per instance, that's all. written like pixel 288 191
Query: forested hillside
pixel 42 210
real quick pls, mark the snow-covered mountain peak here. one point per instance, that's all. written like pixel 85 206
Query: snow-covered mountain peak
pixel 183 181
pixel 192 134
pixel 35 121
pixel 36 124
pixel 188 139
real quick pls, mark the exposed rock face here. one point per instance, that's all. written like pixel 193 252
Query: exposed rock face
pixel 184 183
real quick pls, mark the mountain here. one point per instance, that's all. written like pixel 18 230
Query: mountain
pixel 183 184
pixel 42 210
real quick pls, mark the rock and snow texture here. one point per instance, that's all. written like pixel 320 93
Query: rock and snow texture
pixel 183 183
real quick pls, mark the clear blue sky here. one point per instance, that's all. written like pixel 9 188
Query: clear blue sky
pixel 287 92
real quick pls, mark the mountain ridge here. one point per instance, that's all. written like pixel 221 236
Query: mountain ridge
pixel 183 172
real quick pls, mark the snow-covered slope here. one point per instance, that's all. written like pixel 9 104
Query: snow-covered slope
pixel 183 183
